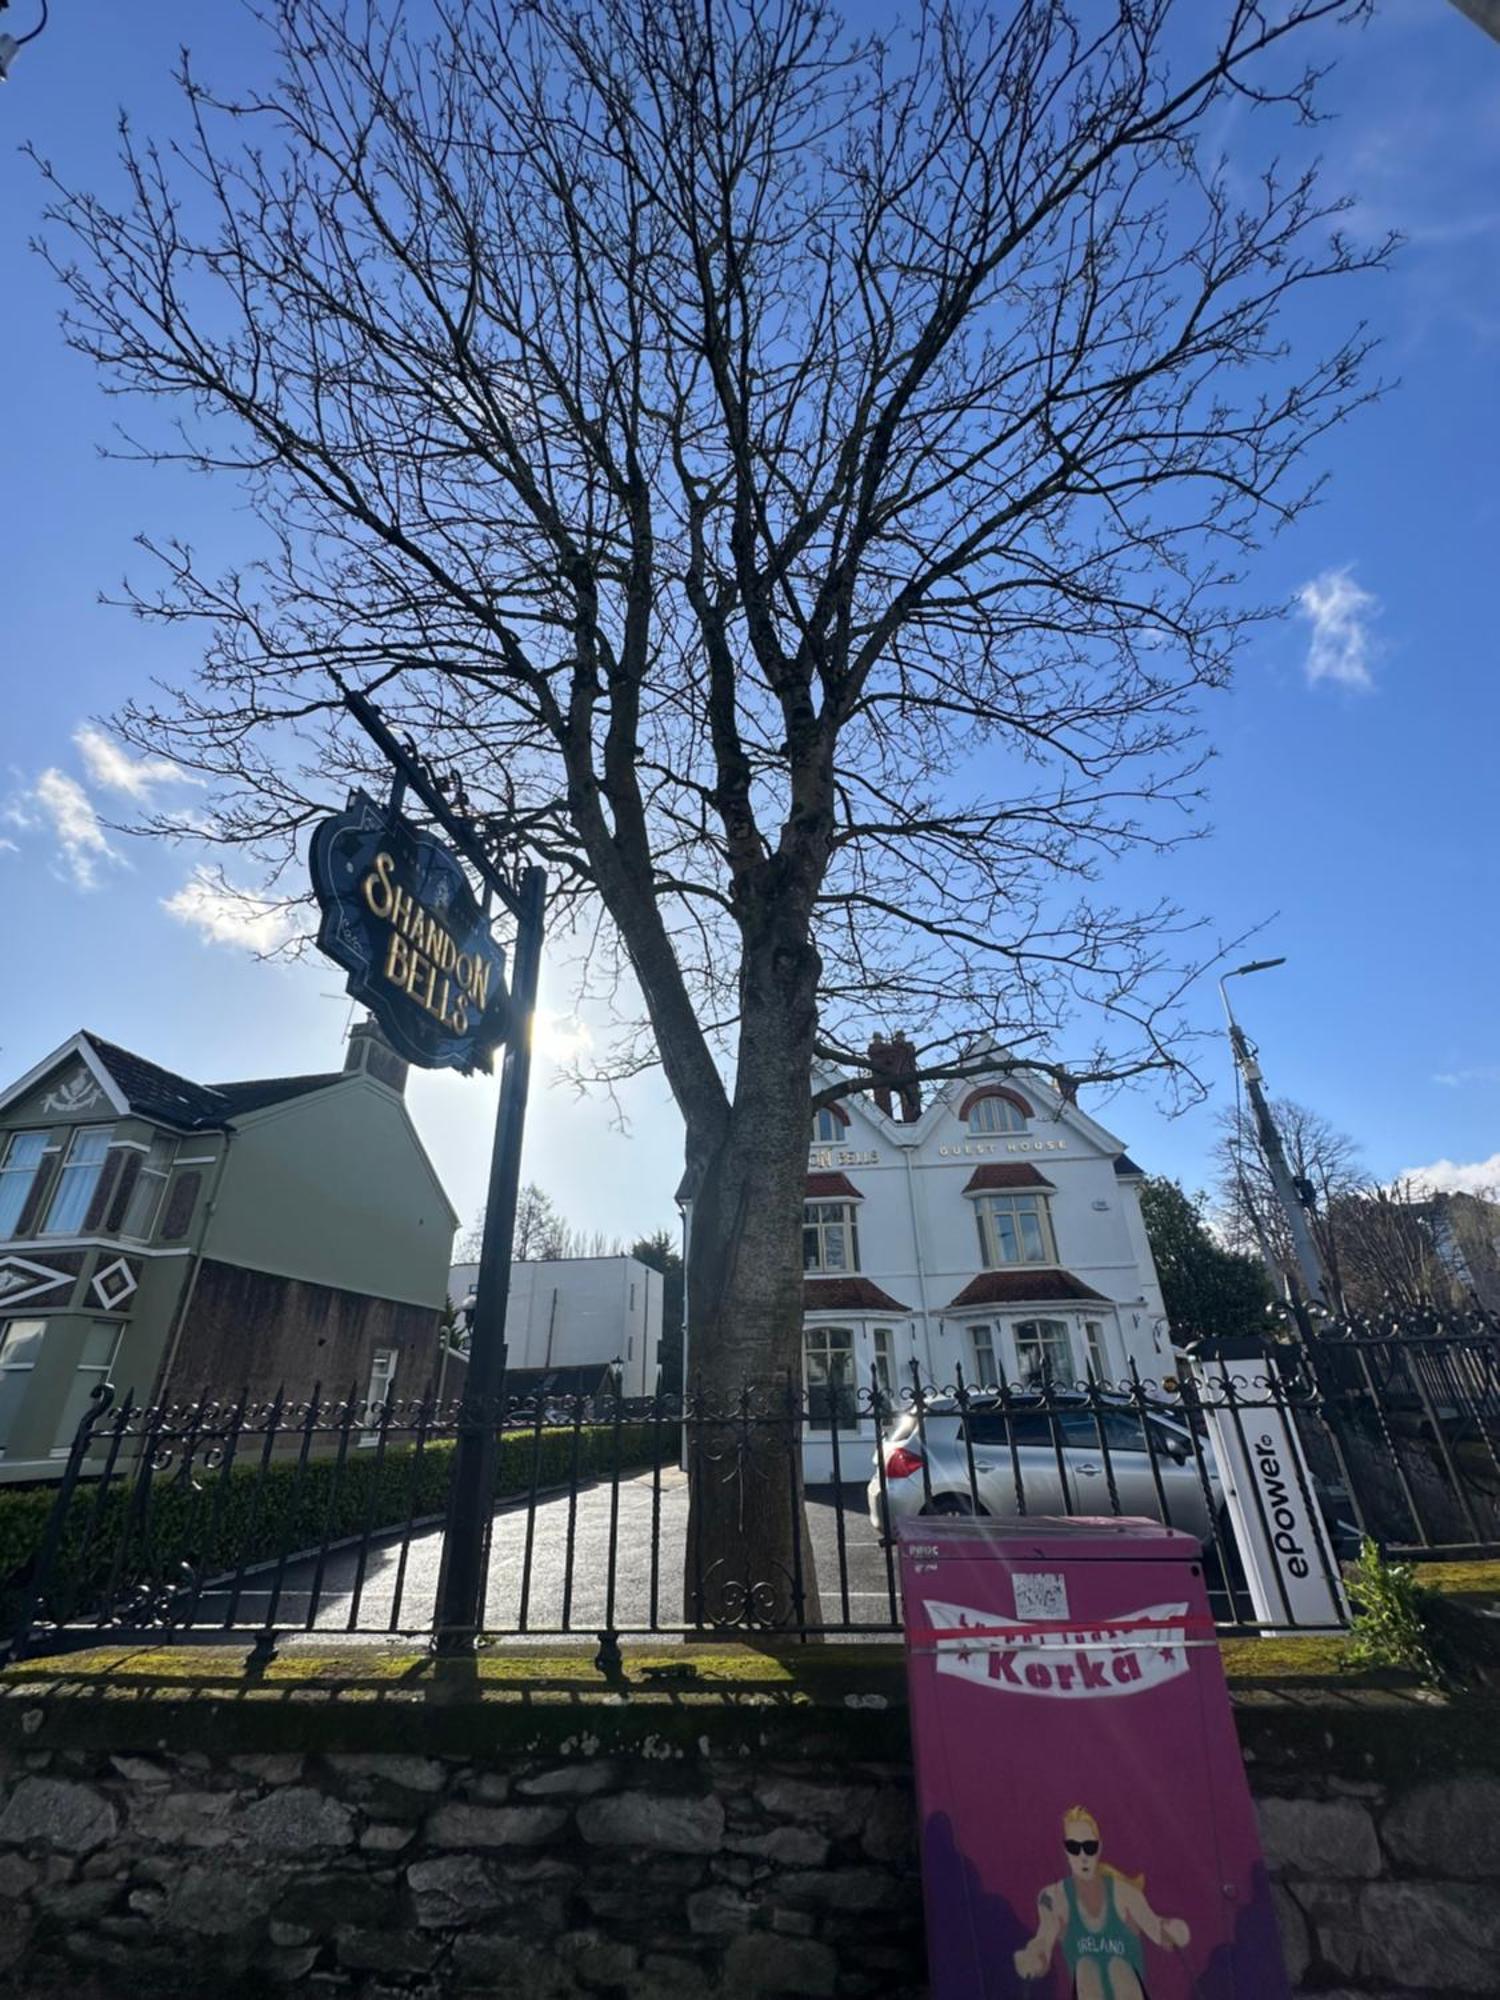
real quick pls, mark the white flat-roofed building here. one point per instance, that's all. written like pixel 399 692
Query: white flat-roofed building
pixel 572 1319
pixel 995 1227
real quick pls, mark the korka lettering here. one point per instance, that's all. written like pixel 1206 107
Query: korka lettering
pixel 1088 1663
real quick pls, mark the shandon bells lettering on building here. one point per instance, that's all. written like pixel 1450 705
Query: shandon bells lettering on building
pixel 400 917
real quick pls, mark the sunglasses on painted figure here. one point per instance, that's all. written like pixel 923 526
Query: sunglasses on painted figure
pixel 1081 1846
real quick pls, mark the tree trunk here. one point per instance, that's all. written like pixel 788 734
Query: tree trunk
pixel 749 1560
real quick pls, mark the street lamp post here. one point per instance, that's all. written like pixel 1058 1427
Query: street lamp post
pixel 12 45
pixel 1313 1278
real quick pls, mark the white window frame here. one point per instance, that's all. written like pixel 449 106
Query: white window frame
pixel 824 1223
pixel 828 1127
pixel 87 1170
pixel 86 1377
pixel 1096 1347
pixel 8 1328
pixel 822 1343
pixel 995 1117
pixel 984 1357
pixel 144 1206
pixel 1058 1335
pixel 10 1171
pixel 883 1356
pixel 1018 1203
pixel 386 1377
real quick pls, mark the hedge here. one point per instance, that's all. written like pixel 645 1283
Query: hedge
pixel 214 1521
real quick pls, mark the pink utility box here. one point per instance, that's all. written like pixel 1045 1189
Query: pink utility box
pixel 1086 1826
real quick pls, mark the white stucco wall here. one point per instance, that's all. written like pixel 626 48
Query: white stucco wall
pixel 919 1239
pixel 575 1311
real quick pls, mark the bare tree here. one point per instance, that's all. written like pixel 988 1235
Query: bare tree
pixel 797 477
pixel 541 1230
pixel 1250 1212
pixel 1408 1245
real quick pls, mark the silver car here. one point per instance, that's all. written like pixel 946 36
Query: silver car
pixel 1055 1454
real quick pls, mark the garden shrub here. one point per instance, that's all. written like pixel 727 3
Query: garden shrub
pixel 214 1520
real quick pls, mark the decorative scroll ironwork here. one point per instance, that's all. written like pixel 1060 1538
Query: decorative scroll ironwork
pixel 268 1514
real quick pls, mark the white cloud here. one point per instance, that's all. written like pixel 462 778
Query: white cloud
pixel 1339 612
pixel 110 764
pixel 1457 1176
pixel 8 847
pixel 222 914
pixel 83 843
pixel 1455 1079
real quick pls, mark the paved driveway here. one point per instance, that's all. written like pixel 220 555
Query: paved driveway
pixel 392 1592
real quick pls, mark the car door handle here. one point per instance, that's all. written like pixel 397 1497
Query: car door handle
pixel 1088 1468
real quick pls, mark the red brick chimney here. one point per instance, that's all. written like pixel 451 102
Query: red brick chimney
pixel 369 1050
pixel 893 1064
pixel 879 1059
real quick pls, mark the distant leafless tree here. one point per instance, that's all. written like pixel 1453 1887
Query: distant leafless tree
pixel 1250 1212
pixel 797 476
pixel 1409 1245
pixel 540 1232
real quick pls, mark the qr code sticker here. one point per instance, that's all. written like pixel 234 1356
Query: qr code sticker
pixel 1041 1594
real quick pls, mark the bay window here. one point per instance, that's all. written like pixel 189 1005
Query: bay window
pixel 20 1163
pixel 20 1344
pixel 828 1361
pixel 76 1183
pixel 982 1343
pixel 145 1198
pixel 884 1343
pixel 1093 1335
pixel 1044 1353
pixel 1015 1229
pixel 830 1241
pixel 100 1345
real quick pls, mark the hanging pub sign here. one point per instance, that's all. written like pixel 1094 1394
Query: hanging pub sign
pixel 400 917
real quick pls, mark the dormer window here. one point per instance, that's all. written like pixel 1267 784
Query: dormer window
pixel 991 1112
pixel 828 1126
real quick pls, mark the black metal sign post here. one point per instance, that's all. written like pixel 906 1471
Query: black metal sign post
pixel 462 1576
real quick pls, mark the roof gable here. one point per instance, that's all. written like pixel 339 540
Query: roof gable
pixel 71 1082
pixel 90 1077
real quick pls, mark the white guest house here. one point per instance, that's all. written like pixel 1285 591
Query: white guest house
pixel 995 1226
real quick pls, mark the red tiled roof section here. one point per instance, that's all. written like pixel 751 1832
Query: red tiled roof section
pixel 1023 1288
pixel 1017 1176
pixel 823 1187
pixel 846 1295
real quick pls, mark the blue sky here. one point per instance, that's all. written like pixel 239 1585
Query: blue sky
pixel 1352 799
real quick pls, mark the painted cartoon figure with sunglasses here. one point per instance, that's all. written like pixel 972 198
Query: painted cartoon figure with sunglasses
pixel 1100 1918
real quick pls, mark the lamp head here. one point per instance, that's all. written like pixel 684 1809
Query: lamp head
pixel 1255 965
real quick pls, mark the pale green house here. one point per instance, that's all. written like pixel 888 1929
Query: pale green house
pixel 169 1237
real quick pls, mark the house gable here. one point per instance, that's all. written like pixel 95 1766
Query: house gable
pixel 334 1187
pixel 71 1086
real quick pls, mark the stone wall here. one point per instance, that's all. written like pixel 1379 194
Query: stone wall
pixel 380 1873
pixel 600 1848
pixel 1386 1887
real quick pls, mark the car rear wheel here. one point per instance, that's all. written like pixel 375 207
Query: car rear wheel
pixel 951 1503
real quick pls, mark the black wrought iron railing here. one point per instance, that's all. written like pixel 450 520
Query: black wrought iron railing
pixel 329 1516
